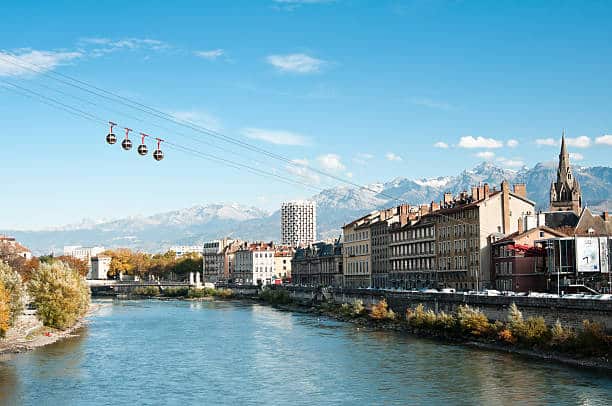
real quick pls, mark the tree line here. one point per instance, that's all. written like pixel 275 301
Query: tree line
pixel 161 266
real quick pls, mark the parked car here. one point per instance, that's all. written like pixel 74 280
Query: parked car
pixel 448 290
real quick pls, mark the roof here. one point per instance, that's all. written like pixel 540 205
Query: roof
pixel 556 219
pixel 590 224
pixel 516 234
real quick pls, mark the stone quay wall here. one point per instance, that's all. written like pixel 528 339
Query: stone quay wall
pixel 570 312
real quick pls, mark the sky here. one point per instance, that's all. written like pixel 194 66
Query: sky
pixel 366 91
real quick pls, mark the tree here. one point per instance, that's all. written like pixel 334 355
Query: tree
pixel 13 287
pixel 190 262
pixel 60 294
pixel 5 310
pixel 122 261
pixel 76 264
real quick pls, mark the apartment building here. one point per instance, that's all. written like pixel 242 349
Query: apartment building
pixel 214 259
pixel 465 226
pixel 356 252
pixel 319 264
pixel 181 250
pixel 254 264
pixel 282 262
pixel 298 223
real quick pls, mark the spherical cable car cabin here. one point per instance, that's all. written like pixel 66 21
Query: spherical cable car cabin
pixel 126 144
pixel 111 138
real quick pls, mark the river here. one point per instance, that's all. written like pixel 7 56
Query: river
pixel 205 353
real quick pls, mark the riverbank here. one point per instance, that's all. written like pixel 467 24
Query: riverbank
pixel 29 333
pixel 595 363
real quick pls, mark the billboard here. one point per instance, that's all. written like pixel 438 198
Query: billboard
pixel 604 254
pixel 587 254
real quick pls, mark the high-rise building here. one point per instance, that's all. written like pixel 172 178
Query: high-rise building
pixel 565 193
pixel 298 223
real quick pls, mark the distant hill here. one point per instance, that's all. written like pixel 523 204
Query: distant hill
pixel 335 207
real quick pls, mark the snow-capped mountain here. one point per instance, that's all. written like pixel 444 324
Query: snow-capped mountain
pixel 335 207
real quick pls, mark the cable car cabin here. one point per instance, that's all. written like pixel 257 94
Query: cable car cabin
pixel 111 138
pixel 158 155
pixel 142 149
pixel 126 144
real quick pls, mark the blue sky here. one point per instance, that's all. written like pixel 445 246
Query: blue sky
pixel 366 90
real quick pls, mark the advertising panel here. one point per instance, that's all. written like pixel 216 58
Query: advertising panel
pixel 587 254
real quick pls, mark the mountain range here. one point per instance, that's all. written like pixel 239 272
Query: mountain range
pixel 335 207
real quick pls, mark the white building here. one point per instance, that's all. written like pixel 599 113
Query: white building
pixel 298 223
pixel 100 265
pixel 254 265
pixel 181 250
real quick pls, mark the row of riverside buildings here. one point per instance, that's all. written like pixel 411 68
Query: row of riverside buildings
pixel 484 238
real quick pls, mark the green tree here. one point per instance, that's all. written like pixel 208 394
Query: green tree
pixel 5 310
pixel 60 294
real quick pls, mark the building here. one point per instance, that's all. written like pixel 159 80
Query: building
pixel 412 254
pixel 464 227
pixel 215 264
pixel 356 252
pixel 181 250
pixel 100 265
pixel 565 193
pixel 319 264
pixel 298 223
pixel 12 247
pixel 282 262
pixel 517 264
pixel 582 260
pixel 83 253
pixel 254 264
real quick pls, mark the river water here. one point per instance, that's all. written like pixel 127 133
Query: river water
pixel 206 353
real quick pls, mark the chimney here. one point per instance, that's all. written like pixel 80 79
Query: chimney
pixel 606 216
pixel 520 226
pixel 448 198
pixel 475 192
pixel 505 189
pixel 434 206
pixel 520 189
pixel 485 191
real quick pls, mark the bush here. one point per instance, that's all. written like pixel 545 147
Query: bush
pixel 535 331
pixel 506 336
pixel 592 340
pixel 358 308
pixel 445 322
pixel 420 318
pixel 275 296
pixel 60 294
pixel 224 293
pixel 14 290
pixel 380 311
pixel 146 291
pixel 5 310
pixel 175 292
pixel 473 321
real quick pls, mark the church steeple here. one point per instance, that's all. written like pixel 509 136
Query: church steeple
pixel 565 192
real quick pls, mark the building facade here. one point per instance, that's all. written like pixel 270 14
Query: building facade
pixel 282 262
pixel 181 250
pixel 298 223
pixel 214 259
pixel 254 264
pixel 356 252
pixel 100 265
pixel 412 249
pixel 565 194
pixel 319 264
pixel 465 226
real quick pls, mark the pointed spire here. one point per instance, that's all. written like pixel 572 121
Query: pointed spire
pixel 563 147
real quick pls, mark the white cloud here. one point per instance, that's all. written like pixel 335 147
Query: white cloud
pixel 604 140
pixel 576 156
pixel 198 117
pixel 486 155
pixel 349 175
pixel 331 162
pixel 546 141
pixel 278 137
pixel 579 142
pixel 511 163
pixel 107 45
pixel 512 143
pixel 479 142
pixel 299 168
pixel 29 62
pixel 210 55
pixel 296 63
pixel 392 157
pixel 432 104
pixel 441 144
pixel 362 157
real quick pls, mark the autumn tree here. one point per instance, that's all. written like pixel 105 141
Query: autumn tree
pixel 122 261
pixel 13 287
pixel 5 310
pixel 191 262
pixel 76 264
